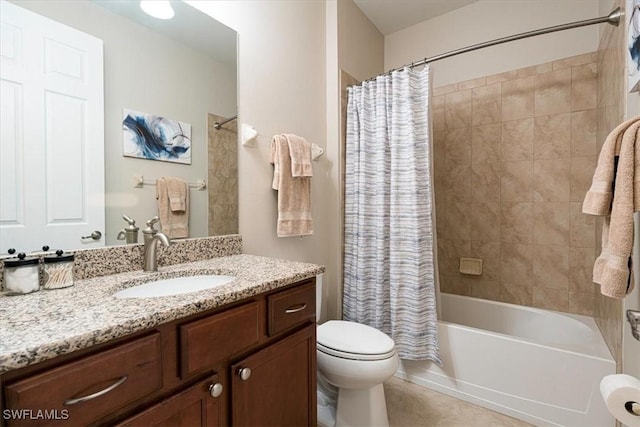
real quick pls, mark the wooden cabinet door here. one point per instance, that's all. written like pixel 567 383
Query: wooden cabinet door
pixel 280 388
pixel 193 407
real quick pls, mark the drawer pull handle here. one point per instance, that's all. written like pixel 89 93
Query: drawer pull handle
pixel 296 308
pixel 70 402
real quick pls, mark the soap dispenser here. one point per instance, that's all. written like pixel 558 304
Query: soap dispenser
pixel 130 232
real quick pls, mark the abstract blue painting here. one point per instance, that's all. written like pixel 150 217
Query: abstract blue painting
pixel 147 136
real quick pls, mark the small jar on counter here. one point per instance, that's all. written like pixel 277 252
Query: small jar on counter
pixel 21 275
pixel 58 270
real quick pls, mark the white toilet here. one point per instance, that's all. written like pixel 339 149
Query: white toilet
pixel 353 360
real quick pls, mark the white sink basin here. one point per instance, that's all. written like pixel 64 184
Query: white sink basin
pixel 175 286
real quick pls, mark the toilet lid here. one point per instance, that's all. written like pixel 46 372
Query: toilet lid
pixel 353 340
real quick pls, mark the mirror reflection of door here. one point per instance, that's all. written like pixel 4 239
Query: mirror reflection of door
pixel 52 133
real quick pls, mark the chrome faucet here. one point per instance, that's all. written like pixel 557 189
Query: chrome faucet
pixel 151 238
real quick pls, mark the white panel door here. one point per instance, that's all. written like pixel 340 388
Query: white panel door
pixel 52 133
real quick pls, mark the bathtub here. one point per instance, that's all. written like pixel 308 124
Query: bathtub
pixel 540 366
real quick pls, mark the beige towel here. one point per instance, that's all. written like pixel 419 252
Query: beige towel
pixel 178 192
pixel 300 150
pixel 616 199
pixel 294 194
pixel 174 223
pixel 598 199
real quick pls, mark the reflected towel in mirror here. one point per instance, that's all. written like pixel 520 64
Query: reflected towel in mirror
pixel 173 206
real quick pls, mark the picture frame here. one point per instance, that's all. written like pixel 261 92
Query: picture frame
pixel 154 137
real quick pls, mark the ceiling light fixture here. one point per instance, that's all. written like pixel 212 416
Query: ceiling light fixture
pixel 160 9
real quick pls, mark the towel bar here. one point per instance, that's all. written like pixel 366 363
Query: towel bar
pixel 139 181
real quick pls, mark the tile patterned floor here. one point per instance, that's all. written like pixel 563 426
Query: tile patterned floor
pixel 410 405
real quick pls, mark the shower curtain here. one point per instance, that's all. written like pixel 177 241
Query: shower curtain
pixel 389 269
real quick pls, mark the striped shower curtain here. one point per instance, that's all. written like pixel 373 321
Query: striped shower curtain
pixel 389 269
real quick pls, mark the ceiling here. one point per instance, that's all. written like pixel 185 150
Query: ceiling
pixel 390 16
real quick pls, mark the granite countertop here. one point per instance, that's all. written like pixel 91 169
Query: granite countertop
pixel 49 323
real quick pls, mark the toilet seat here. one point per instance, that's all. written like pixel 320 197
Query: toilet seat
pixel 354 341
pixel 354 356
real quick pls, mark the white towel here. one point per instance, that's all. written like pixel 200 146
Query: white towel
pixel 173 213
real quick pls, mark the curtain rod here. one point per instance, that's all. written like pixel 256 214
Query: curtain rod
pixel 218 126
pixel 613 18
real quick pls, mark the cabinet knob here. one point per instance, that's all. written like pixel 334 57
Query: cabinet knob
pixel 215 389
pixel 244 373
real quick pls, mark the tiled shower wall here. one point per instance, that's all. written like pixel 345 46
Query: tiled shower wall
pixel 223 176
pixel 514 154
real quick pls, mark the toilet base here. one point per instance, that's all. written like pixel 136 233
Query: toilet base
pixel 362 407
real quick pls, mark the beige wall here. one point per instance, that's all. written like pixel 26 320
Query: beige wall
pixel 604 8
pixel 487 20
pixel 514 156
pixel 360 44
pixel 332 294
pixel 282 89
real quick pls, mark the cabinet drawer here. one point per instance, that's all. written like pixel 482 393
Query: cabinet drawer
pixel 216 338
pixel 291 307
pixel 192 407
pixel 83 391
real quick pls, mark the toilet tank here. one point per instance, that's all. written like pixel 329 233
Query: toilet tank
pixel 319 296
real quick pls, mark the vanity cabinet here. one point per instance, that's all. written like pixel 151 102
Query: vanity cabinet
pixel 247 364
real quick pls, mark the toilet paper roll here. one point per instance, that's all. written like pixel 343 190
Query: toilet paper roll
pixel 620 392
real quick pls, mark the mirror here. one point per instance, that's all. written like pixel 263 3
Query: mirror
pixel 183 69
